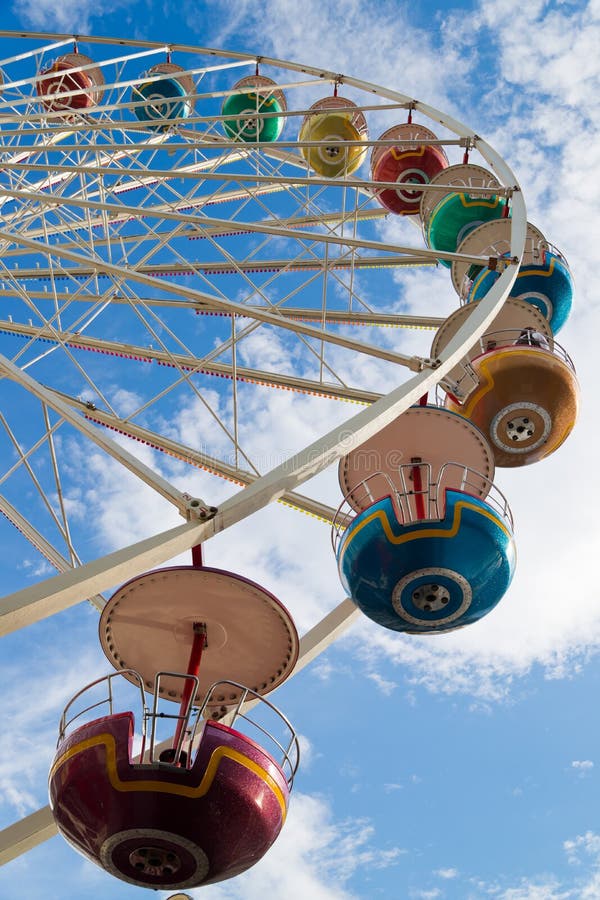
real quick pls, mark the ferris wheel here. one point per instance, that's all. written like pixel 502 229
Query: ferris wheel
pixel 185 230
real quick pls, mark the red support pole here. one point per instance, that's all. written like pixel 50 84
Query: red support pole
pixel 418 487
pixel 197 556
pixel 423 400
pixel 198 645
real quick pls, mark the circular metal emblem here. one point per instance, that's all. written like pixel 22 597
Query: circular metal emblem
pixel 250 127
pixel 407 177
pixel 154 858
pixel 159 106
pixel 331 152
pixel 431 591
pixel 520 427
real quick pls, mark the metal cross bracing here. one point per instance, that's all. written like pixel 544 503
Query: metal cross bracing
pixel 126 300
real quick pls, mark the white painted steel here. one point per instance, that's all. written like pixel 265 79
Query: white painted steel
pixel 22 235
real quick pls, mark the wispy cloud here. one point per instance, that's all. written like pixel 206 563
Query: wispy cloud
pixel 28 738
pixel 391 787
pixel 583 767
pixel 583 883
pixel 447 874
pixel 386 686
pixel 70 16
pixel 315 857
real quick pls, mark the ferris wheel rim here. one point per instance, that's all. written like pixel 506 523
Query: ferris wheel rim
pixel 92 578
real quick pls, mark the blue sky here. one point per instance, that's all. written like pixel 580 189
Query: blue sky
pixel 462 767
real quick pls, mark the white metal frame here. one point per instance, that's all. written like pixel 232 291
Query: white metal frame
pixel 88 581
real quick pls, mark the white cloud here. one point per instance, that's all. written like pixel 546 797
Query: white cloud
pixel 582 883
pixel 308 754
pixel 38 568
pixel 43 570
pixel 558 37
pixel 28 737
pixel 334 44
pixel 323 669
pixel 538 890
pixel 315 856
pixel 446 873
pixel 584 845
pixel 125 402
pixel 386 686
pixel 582 766
pixel 70 16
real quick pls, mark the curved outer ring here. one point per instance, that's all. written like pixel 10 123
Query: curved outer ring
pixel 66 589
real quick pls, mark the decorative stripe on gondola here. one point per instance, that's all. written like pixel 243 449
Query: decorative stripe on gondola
pixel 107 740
